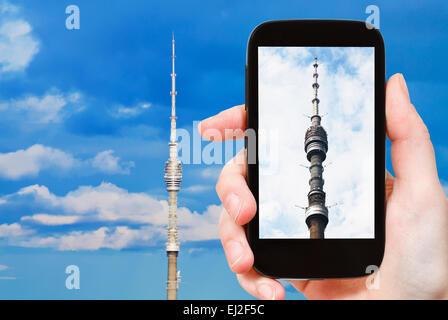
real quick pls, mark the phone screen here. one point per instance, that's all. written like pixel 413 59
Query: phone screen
pixel 316 152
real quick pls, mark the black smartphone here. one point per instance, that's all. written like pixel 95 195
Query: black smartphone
pixel 315 100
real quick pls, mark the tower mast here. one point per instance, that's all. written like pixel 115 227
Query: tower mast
pixel 316 147
pixel 173 177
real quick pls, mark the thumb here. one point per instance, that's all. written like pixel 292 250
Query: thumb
pixel 412 152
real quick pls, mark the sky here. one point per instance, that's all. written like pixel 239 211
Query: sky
pixel 285 94
pixel 84 129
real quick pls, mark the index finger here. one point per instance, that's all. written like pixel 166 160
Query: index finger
pixel 226 125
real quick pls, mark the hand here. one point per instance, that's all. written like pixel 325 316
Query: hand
pixel 415 264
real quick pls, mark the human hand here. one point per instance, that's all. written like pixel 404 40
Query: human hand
pixel 415 264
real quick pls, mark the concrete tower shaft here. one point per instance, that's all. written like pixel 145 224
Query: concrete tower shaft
pixel 316 147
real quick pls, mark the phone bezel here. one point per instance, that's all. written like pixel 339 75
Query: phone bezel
pixel 327 258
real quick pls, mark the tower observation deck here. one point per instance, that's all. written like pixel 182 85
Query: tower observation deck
pixel 316 147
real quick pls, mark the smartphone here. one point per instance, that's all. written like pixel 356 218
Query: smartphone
pixel 315 142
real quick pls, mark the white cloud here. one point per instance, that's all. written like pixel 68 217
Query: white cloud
pixel 30 162
pixel 2 268
pixel 346 93
pixel 211 173
pixel 49 108
pixel 197 188
pixel 113 238
pixel 195 250
pixel 105 161
pixel 195 226
pixel 109 204
pixel 13 230
pixel 129 112
pixel 6 7
pixel 17 44
pixel 51 220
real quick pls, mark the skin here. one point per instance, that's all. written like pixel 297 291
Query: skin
pixel 415 264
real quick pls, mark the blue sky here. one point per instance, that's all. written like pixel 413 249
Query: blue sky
pixel 75 103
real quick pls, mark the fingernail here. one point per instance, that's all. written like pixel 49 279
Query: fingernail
pixel 233 206
pixel 235 252
pixel 403 86
pixel 266 291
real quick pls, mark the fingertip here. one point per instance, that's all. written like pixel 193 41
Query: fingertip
pixel 233 238
pixel 226 125
pixel 261 287
pixel 279 292
pixel 402 119
pixel 412 152
pixel 272 290
pixel 209 129
pixel 403 87
pixel 202 128
pixel 397 94
pixel 235 195
pixel 244 263
pixel 248 209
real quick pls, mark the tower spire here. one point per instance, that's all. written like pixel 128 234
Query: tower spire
pixel 316 147
pixel 315 87
pixel 315 117
pixel 173 177
pixel 173 94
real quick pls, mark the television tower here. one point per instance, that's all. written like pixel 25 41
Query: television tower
pixel 316 147
pixel 173 177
